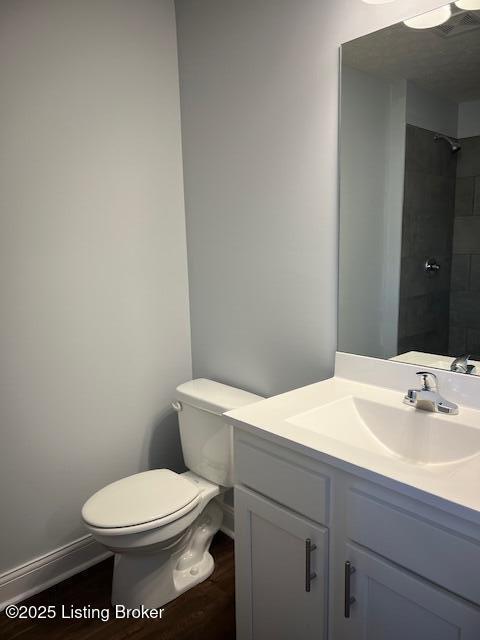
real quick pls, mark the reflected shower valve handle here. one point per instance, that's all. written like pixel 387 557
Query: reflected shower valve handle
pixel 432 266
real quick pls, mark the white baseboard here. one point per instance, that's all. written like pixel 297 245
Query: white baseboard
pixel 37 575
pixel 53 567
pixel 228 524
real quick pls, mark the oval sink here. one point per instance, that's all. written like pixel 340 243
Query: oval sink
pixel 418 437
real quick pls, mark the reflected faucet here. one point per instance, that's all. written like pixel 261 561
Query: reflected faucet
pixel 462 365
pixel 427 398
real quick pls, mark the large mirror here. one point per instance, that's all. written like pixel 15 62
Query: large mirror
pixel 410 191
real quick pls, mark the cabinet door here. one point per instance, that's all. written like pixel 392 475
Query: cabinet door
pixel 393 604
pixel 271 560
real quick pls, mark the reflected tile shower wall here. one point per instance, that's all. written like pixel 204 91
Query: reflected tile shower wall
pixel 428 217
pixel 465 280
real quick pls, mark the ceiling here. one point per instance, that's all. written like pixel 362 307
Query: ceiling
pixel 447 66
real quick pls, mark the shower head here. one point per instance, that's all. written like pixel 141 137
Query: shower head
pixel 453 144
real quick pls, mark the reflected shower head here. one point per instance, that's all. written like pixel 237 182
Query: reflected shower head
pixel 455 146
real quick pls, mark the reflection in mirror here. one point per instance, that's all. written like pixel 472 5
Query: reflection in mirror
pixel 410 194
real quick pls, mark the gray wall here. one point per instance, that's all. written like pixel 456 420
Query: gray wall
pixel 259 95
pixel 465 297
pixel 469 119
pixel 429 111
pixel 372 159
pixel 94 330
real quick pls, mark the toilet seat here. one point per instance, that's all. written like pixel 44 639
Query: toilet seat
pixel 141 502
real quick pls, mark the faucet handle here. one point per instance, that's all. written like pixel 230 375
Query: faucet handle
pixel 429 380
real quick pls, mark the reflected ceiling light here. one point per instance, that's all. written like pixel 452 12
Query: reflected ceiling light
pixel 430 19
pixel 468 5
pixel 377 1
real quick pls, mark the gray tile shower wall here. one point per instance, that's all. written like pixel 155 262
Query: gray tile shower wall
pixel 428 218
pixel 465 279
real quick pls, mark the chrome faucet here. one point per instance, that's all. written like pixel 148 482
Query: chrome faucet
pixel 428 398
pixel 462 365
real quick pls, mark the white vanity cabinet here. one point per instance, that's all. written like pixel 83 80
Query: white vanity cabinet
pixel 393 604
pixel 281 573
pixel 414 569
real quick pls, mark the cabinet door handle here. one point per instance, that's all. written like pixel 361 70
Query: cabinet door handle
pixel 309 575
pixel 349 599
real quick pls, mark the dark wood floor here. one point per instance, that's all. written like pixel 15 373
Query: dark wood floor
pixel 206 612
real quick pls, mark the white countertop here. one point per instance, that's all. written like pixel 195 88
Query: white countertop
pixel 455 486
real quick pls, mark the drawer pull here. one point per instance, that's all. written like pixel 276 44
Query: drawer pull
pixel 349 599
pixel 309 575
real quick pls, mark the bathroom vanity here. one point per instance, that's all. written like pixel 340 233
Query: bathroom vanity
pixel 356 516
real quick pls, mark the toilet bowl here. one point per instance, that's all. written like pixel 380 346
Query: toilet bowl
pixel 160 523
pixel 162 549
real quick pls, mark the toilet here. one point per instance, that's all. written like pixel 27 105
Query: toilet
pixel 160 523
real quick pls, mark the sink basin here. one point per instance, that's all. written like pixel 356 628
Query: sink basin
pixel 418 437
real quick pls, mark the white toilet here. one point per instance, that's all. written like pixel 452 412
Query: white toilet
pixel 160 523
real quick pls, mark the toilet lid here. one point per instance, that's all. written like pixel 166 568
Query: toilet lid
pixel 140 498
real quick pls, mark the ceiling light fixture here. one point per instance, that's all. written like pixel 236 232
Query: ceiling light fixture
pixel 468 5
pixel 430 19
pixel 377 1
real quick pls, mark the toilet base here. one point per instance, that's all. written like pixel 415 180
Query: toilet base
pixel 154 578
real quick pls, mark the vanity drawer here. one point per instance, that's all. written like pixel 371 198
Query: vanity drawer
pixel 422 545
pixel 302 490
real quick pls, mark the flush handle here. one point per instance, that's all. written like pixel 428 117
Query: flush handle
pixel 309 574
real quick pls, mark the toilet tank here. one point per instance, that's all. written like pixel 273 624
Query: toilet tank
pixel 207 438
